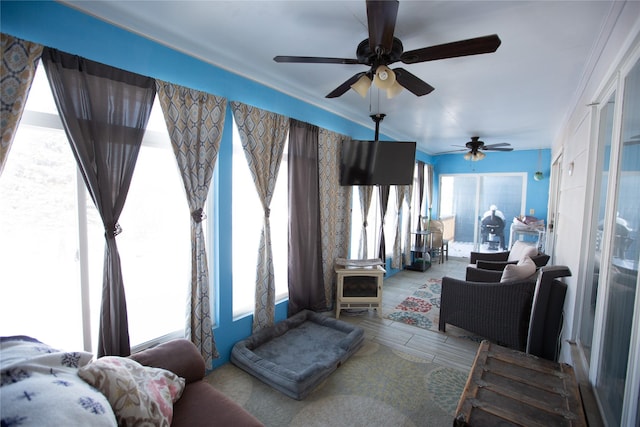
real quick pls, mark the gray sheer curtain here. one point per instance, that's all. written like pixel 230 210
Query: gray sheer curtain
pixel 396 258
pixel 195 121
pixel 365 192
pixel 408 195
pixel 383 195
pixel 104 111
pixel 19 64
pixel 306 287
pixel 263 135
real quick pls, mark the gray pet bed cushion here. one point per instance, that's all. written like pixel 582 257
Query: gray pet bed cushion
pixel 297 354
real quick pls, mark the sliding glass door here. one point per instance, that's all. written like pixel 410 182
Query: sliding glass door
pixel 617 364
pixel 468 196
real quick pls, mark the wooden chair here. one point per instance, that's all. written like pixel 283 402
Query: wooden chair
pixel 439 245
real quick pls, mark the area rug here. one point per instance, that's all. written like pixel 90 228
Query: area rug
pixel 377 386
pixel 422 308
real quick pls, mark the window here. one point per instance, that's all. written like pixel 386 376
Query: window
pixel 390 221
pixel 155 245
pixel 373 225
pixel 52 238
pixel 248 219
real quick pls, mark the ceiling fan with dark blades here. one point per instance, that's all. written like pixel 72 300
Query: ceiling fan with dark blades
pixel 475 149
pixel 382 49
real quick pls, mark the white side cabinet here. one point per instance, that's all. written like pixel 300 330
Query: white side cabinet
pixel 359 287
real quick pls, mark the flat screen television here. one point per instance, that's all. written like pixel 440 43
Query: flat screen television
pixel 377 162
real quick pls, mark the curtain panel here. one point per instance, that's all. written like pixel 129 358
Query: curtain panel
pixel 365 192
pixel 19 63
pixel 408 195
pixel 396 257
pixel 335 208
pixel 195 121
pixel 263 135
pixel 429 174
pixel 383 196
pixel 420 195
pixel 104 111
pixel 306 287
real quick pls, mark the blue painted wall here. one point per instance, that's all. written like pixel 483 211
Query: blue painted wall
pixel 55 25
pixel 500 162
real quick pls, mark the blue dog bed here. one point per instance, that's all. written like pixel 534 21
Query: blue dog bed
pixel 295 355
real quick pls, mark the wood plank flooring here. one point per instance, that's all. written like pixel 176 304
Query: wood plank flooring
pixel 438 347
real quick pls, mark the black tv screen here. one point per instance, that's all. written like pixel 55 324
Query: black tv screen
pixel 377 162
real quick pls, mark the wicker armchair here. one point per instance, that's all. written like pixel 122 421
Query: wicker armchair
pixel 496 311
pixel 499 312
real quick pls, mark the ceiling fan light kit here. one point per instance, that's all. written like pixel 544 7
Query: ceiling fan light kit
pixel 382 49
pixel 474 149
pixel 362 85
pixel 474 157
pixel 384 78
pixel 395 89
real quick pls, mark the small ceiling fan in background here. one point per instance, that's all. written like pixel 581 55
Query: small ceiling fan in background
pixel 382 49
pixel 476 147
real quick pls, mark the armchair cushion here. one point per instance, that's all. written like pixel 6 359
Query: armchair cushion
pixel 523 269
pixel 519 250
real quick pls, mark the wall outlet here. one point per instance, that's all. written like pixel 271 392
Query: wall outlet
pixel 532 211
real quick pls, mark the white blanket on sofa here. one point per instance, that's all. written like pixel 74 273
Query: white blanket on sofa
pixel 40 387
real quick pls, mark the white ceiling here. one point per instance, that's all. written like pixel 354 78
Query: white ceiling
pixel 520 94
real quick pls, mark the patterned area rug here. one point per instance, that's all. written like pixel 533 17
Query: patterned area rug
pixel 377 386
pixel 421 309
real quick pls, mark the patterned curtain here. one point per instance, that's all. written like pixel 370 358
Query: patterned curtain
pixel 195 121
pixel 263 135
pixel 104 111
pixel 429 190
pixel 365 191
pixel 335 208
pixel 396 258
pixel 19 63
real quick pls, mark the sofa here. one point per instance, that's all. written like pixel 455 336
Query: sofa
pixel 201 404
pixel 160 386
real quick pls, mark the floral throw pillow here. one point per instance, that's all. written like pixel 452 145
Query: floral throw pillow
pixel 139 395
